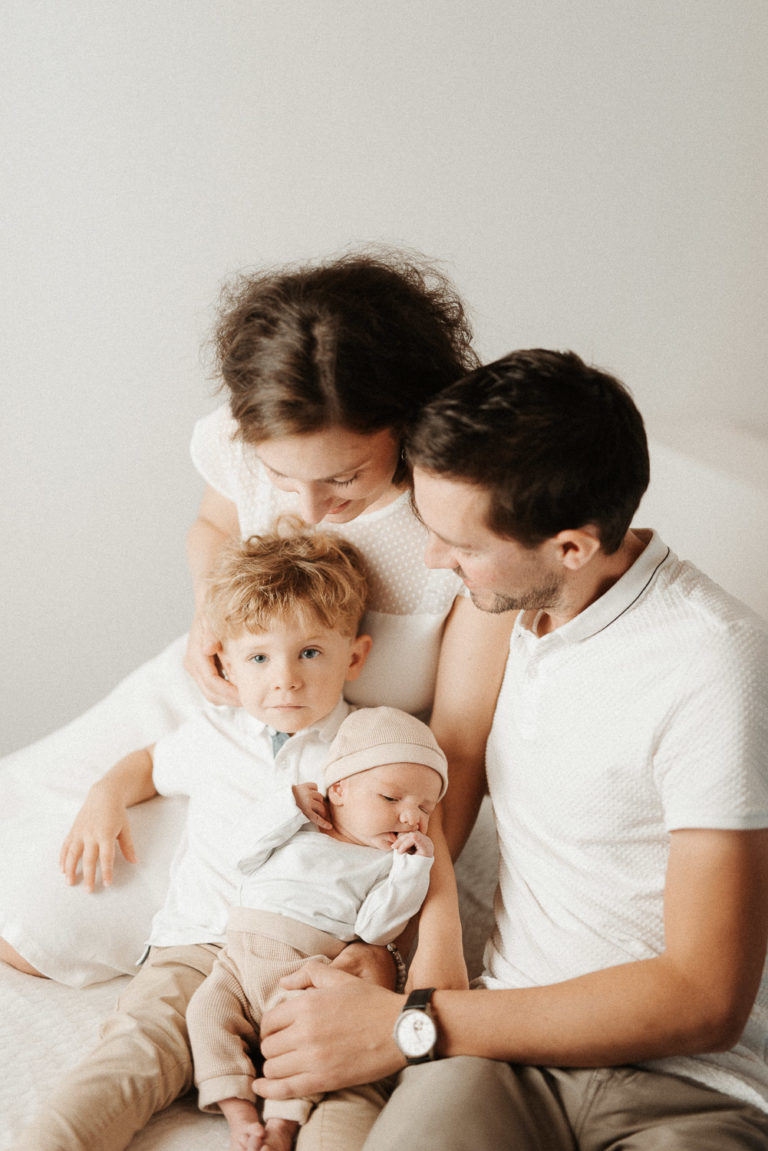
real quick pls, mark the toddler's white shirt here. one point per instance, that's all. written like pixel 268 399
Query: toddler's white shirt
pixel 644 714
pixel 223 761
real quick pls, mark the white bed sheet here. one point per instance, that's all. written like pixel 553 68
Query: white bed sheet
pixel 45 1028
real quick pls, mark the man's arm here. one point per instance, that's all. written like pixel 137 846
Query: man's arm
pixel 439 957
pixel 473 655
pixel 696 996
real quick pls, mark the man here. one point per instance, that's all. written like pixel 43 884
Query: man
pixel 626 1000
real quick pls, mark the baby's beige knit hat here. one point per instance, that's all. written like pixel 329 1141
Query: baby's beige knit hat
pixel 375 736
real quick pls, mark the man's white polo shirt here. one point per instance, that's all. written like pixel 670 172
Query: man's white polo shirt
pixel 646 713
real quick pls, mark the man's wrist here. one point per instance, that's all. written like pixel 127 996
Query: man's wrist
pixel 415 1031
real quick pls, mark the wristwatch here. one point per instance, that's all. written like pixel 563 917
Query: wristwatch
pixel 415 1030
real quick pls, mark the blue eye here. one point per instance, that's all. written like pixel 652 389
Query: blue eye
pixel 257 659
pixel 310 653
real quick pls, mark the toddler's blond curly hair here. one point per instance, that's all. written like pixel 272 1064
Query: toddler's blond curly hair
pixel 287 572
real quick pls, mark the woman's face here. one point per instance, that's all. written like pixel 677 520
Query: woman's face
pixel 337 474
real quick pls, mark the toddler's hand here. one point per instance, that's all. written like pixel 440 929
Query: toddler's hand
pixel 414 843
pixel 312 804
pixel 101 821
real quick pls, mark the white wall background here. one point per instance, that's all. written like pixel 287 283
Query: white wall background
pixel 591 174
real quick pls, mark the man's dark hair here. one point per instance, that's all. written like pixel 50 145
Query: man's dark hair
pixel 557 443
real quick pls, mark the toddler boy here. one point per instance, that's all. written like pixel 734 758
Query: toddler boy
pixel 286 607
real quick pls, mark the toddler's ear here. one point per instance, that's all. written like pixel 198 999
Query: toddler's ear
pixel 358 655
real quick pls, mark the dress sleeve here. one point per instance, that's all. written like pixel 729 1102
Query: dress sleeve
pixel 215 452
pixel 394 899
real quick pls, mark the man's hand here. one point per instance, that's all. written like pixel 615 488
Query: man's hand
pixel 337 1035
pixel 369 962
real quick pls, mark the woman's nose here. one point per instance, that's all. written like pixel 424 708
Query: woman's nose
pixel 313 505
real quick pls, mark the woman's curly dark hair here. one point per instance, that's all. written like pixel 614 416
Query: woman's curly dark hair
pixel 360 342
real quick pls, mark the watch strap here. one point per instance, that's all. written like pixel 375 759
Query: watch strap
pixel 419 1000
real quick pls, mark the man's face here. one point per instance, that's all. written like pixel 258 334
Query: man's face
pixel 501 574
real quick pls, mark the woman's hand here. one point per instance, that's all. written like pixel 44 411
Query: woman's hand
pixel 202 663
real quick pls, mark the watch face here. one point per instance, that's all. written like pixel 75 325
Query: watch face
pixel 416 1034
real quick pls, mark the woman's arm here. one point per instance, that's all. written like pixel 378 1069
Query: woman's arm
pixel 473 655
pixel 216 524
pixel 103 819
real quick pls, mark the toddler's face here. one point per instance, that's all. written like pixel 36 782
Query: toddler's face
pixel 292 675
pixel 375 806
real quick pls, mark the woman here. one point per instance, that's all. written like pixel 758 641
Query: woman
pixel 324 367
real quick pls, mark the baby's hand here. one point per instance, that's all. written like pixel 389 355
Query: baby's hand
pixel 414 843
pixel 312 804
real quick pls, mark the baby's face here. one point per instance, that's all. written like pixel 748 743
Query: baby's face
pixel 293 674
pixel 375 806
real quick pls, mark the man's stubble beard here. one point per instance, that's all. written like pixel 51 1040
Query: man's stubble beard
pixel 545 597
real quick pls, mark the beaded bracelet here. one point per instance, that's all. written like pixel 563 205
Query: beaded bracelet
pixel 400 965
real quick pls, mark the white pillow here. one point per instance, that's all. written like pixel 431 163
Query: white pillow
pixel 68 935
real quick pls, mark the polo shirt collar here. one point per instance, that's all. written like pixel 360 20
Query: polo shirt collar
pixel 612 603
pixel 325 729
